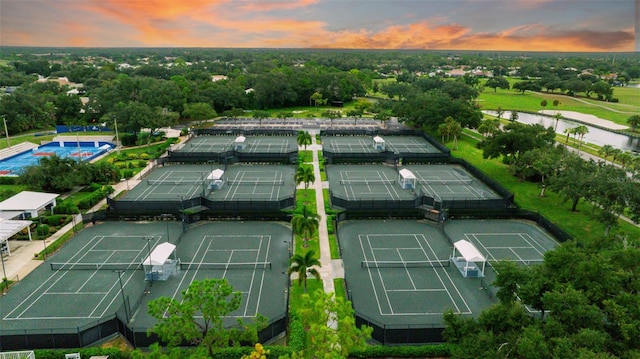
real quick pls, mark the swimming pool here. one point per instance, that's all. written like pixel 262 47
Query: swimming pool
pixel 13 165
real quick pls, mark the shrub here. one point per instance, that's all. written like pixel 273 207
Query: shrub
pixel 144 156
pixel 423 351
pixel 42 230
pixel 142 163
pixel 8 180
pixel 127 173
pixel 55 220
pixel 132 156
pixel 296 334
pixel 112 353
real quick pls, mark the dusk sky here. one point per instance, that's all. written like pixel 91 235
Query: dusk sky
pixel 515 25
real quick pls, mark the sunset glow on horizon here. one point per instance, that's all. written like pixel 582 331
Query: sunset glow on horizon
pixel 497 25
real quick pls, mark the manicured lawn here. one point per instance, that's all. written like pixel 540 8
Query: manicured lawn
pixel 306 197
pixel 305 156
pixel 530 102
pixel 579 224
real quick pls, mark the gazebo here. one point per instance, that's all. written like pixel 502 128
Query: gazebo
pixel 407 179
pixel 470 257
pixel 161 263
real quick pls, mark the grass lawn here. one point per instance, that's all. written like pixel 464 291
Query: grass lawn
pixel 306 197
pixel 578 224
pixel 530 102
pixel 305 156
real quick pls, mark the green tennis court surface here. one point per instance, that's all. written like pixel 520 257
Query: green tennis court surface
pixel 398 272
pixel 358 182
pixel 365 144
pixel 242 182
pixel 84 287
pixel 250 144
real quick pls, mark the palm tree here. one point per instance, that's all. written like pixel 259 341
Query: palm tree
pixel 303 265
pixel 625 157
pixel 499 112
pixel 514 116
pixel 568 131
pixel 304 139
pixel 305 224
pixel 634 121
pixel 605 151
pixel 305 175
pixel 580 131
pixel 557 117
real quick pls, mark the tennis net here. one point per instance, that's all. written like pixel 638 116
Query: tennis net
pixel 173 182
pixel 94 266
pixel 226 266
pixel 406 264
pixel 368 181
pixel 256 182
pixel 447 181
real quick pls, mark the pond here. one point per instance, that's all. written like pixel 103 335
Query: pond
pixel 595 136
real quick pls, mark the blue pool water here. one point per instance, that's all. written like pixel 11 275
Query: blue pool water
pixel 88 150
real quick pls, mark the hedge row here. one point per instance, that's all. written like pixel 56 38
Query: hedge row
pixel 423 351
pixel 84 353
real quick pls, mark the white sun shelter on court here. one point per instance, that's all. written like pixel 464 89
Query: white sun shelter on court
pixel 240 143
pixel 469 259
pixel 379 143
pixel 161 263
pixel 406 179
pixel 215 179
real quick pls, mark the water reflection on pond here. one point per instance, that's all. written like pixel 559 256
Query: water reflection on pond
pixel 595 136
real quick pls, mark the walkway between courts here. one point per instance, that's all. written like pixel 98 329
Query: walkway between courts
pixel 330 269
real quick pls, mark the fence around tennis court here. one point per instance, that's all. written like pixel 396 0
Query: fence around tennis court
pixel 335 156
pixel 194 209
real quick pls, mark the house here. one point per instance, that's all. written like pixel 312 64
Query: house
pixel 27 204
pixel 216 78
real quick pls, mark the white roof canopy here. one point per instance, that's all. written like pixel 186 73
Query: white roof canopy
pixel 28 200
pixel 406 174
pixel 468 251
pixel 215 174
pixel 378 139
pixel 160 254
pixel 240 139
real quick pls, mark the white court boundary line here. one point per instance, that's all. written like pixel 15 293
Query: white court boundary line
pixel 37 295
pixel 418 238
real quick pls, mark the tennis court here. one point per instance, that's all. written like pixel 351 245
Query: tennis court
pixel 215 144
pixel 256 182
pixel 398 273
pixel 446 181
pixel 172 182
pixel 499 240
pixel 365 144
pixel 252 256
pixel 355 182
pixel 248 144
pixel 80 284
pixel 85 286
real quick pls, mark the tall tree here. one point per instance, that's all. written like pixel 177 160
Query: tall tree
pixel 304 139
pixel 198 317
pixel 497 82
pixel 574 179
pixel 304 174
pixel 304 265
pixel 330 323
pixel 634 122
pixel 305 224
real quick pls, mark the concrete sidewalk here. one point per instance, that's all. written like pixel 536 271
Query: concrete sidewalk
pixel 330 269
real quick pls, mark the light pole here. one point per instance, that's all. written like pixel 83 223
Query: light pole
pixel 124 300
pixel 115 122
pixel 5 280
pixel 6 131
pixel 149 238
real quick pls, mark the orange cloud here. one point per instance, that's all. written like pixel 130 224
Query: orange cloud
pixel 523 38
pixel 276 5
